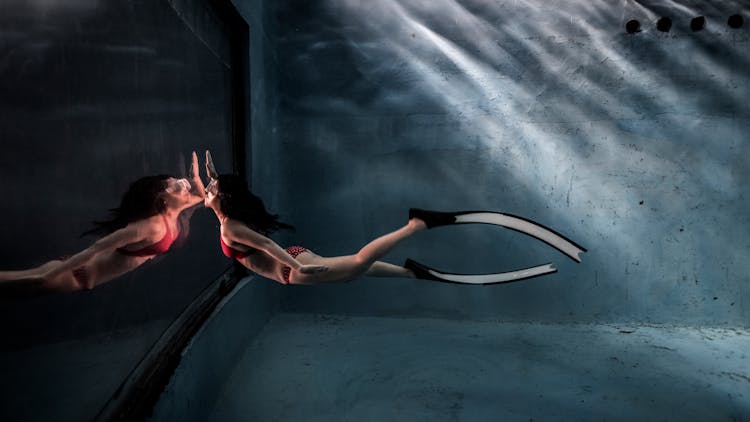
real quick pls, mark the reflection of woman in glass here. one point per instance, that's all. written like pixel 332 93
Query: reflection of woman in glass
pixel 245 224
pixel 143 226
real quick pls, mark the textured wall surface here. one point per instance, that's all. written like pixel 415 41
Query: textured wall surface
pixel 635 146
pixel 212 354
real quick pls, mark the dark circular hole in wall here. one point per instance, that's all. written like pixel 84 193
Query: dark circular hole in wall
pixel 664 24
pixel 698 23
pixel 735 21
pixel 633 26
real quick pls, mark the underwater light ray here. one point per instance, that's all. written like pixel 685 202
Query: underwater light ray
pixel 471 72
pixel 601 165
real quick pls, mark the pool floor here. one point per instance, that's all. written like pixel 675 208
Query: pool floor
pixel 306 367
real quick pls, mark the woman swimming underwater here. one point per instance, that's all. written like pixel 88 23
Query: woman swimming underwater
pixel 245 224
pixel 143 226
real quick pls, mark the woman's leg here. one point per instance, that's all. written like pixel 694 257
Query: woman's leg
pixel 7 276
pixel 25 283
pixel 384 269
pixel 36 278
pixel 374 250
pixel 344 268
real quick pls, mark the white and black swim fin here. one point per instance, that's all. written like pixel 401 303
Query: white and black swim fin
pixel 513 222
pixel 426 273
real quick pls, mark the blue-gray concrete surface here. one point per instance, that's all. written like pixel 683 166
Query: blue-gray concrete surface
pixel 635 146
pixel 632 145
pixel 209 358
pixel 341 368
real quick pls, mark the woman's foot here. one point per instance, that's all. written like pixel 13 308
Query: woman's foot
pixel 418 270
pixel 433 218
pixel 416 224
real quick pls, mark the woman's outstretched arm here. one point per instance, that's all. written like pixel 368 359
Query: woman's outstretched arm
pixel 239 232
pixel 198 190
pixel 132 233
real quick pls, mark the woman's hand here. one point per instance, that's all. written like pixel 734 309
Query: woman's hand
pixel 210 168
pixel 313 269
pixel 197 184
pixel 194 167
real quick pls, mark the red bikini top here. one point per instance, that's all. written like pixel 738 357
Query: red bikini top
pixel 157 248
pixel 233 253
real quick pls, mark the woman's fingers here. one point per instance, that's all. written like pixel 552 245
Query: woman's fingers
pixel 210 168
pixel 194 166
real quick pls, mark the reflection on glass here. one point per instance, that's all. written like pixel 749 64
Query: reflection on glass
pixel 145 225
pixel 93 96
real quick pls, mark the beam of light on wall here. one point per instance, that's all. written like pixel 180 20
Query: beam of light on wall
pixel 602 126
pixel 512 108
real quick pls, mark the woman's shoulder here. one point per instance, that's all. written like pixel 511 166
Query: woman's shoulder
pixel 233 228
pixel 149 225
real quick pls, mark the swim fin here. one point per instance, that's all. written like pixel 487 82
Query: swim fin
pixel 513 222
pixel 424 272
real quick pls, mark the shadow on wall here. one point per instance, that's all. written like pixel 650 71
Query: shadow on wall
pixel 630 144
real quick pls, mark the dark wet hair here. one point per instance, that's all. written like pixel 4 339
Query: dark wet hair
pixel 141 200
pixel 237 202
